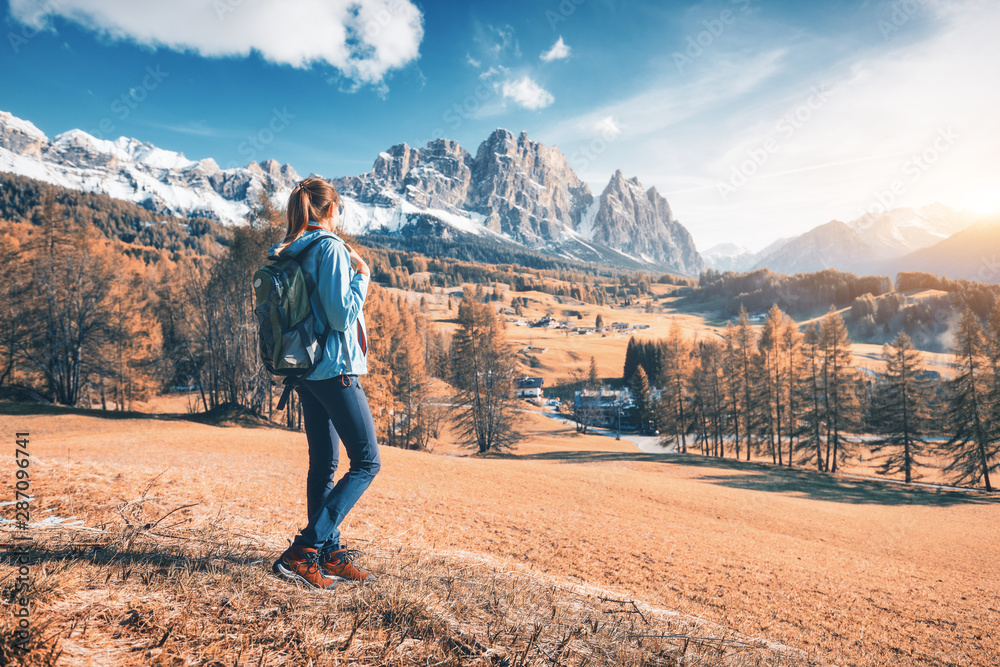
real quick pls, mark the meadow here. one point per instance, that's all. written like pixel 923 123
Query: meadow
pixel 573 549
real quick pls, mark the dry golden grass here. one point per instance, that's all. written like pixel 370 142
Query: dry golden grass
pixel 478 553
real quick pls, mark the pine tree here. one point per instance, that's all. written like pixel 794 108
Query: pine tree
pixel 972 446
pixel 901 413
pixel 592 379
pixel 632 352
pixel 599 323
pixel 642 397
pixel 812 398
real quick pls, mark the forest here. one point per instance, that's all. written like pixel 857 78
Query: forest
pixel 923 306
pixel 791 393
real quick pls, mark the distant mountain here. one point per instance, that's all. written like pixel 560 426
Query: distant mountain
pixel 513 190
pixel 521 191
pixel 834 245
pixel 729 257
pixel 160 181
pixel 865 245
pixel 900 231
pixel 971 254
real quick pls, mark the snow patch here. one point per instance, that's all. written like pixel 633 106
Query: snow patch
pixel 22 126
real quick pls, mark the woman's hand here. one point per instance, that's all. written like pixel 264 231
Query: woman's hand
pixel 356 262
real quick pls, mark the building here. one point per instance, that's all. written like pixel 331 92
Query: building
pixel 530 387
pixel 605 408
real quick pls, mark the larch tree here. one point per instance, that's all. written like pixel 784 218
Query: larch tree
pixel 708 387
pixel 741 349
pixel 793 371
pixel 410 428
pixel 484 377
pixel 133 342
pixel 840 381
pixel 382 319
pixel 772 386
pixel 731 367
pixel 15 290
pixel 69 307
pixel 901 412
pixel 675 367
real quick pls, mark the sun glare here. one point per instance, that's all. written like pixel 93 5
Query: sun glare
pixel 984 202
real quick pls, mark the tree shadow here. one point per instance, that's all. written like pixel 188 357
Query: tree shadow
pixel 160 560
pixel 222 415
pixel 755 476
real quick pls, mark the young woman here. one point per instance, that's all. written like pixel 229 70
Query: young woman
pixel 334 405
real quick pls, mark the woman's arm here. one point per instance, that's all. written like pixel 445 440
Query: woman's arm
pixel 341 294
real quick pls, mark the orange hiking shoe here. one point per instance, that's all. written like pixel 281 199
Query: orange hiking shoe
pixel 338 565
pixel 301 565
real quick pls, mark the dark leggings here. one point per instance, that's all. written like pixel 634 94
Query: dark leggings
pixel 335 409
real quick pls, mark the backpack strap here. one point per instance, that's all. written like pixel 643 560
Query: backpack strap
pixel 290 384
pixel 311 281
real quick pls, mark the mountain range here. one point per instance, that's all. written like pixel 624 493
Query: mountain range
pixel 870 244
pixel 513 190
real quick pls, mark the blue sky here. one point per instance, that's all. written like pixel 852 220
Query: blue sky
pixel 757 119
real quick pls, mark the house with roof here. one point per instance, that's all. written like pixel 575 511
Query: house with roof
pixel 529 387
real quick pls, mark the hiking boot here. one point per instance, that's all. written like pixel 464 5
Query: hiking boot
pixel 337 563
pixel 301 565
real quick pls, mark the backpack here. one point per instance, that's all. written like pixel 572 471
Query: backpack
pixel 285 320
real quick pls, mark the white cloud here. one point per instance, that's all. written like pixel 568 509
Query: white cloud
pixel 526 93
pixel 472 61
pixel 558 51
pixel 607 127
pixel 363 39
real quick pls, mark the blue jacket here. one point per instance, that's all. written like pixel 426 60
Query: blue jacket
pixel 338 300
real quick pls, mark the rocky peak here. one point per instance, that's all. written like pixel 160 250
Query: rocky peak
pixel 20 136
pixel 640 223
pixel 525 189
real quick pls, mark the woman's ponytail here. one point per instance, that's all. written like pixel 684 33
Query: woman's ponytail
pixel 307 202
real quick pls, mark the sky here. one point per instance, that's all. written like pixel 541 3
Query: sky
pixel 757 119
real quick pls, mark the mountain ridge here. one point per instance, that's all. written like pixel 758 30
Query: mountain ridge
pixel 512 189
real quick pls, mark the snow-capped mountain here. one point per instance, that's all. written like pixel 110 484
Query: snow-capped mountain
pixel 128 169
pixel 868 244
pixel 900 231
pixel 513 190
pixel 729 257
pixel 517 190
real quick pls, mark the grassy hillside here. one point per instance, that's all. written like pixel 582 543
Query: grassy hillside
pixel 568 552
